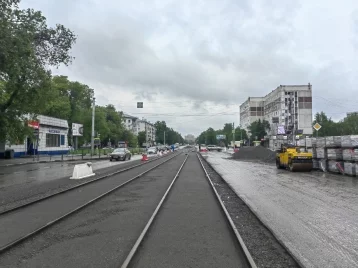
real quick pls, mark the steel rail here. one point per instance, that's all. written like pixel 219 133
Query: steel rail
pixel 229 219
pixel 6 211
pixel 6 247
pixel 149 223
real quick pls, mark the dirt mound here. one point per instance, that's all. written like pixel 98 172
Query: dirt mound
pixel 258 153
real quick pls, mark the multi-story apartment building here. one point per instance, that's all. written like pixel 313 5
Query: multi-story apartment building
pixel 129 121
pixel 149 128
pixel 137 125
pixel 288 109
pixel 251 110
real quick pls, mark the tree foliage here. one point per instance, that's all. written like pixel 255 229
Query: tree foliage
pixel 209 136
pixel 28 48
pixel 141 138
pixel 347 126
pixel 259 129
pixel 171 136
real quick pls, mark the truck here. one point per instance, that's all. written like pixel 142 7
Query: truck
pixel 214 148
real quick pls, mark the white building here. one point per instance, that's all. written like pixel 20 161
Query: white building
pixel 137 125
pixel 251 110
pixel 149 128
pixel 52 139
pixel 286 107
pixel 129 122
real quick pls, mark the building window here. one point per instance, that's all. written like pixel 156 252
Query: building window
pixel 53 140
pixel 129 120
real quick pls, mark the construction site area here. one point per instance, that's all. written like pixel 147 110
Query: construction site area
pixel 313 214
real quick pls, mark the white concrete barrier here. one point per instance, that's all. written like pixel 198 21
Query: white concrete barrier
pixel 82 171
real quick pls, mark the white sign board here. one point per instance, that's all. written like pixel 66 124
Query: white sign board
pixel 77 129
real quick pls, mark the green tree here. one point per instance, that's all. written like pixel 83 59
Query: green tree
pixel 161 128
pixel 141 138
pixel 259 129
pixel 349 125
pixel 329 127
pixel 28 48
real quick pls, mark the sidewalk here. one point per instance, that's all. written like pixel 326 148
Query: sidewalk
pixel 47 159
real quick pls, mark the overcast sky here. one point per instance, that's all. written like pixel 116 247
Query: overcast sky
pixel 193 63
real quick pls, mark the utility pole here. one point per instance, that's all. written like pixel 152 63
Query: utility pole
pixel 233 135
pixel 146 134
pixel 93 114
pixel 164 137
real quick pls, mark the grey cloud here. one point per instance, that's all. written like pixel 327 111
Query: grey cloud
pixel 215 51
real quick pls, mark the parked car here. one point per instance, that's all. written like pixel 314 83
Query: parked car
pixel 214 148
pixel 120 154
pixel 152 150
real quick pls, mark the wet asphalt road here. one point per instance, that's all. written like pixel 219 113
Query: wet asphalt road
pixel 44 172
pixel 190 229
pixel 38 180
pixel 102 234
pixel 23 221
pixel 314 214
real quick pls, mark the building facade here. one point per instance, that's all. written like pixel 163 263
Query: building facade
pixel 149 128
pixel 51 139
pixel 251 110
pixel 288 109
pixel 129 122
pixel 136 125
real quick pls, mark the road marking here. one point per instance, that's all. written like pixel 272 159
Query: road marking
pixel 47 167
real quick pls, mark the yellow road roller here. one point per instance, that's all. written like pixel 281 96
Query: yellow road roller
pixel 293 159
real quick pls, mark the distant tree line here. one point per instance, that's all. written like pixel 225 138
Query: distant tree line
pixel 258 129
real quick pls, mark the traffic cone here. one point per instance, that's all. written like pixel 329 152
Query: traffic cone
pixel 144 157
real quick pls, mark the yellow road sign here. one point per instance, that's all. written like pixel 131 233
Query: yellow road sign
pixel 317 126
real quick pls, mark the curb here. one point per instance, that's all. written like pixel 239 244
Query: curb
pixel 52 161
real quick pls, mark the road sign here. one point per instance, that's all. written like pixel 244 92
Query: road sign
pixel 220 137
pixel 139 104
pixel 317 126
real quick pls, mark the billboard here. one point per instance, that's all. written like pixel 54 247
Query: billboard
pixel 220 137
pixel 77 129
pixel 281 130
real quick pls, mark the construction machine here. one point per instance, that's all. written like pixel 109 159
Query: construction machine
pixel 293 158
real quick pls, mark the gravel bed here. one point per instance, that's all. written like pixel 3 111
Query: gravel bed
pixel 258 153
pixel 261 243
pixel 21 194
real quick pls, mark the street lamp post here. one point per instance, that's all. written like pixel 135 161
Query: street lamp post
pixel 93 115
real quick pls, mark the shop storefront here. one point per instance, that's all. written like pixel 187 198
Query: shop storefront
pixel 51 138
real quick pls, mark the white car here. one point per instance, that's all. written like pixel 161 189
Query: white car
pixel 152 150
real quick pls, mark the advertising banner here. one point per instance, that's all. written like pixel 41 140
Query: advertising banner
pixel 77 129
pixel 220 137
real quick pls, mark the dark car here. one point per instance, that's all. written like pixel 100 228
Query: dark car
pixel 120 154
